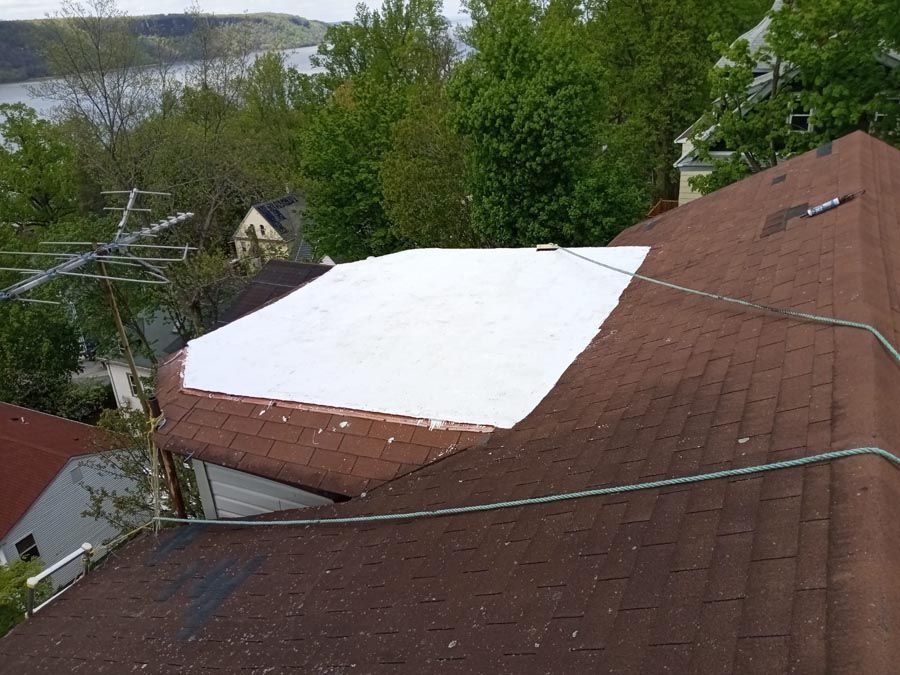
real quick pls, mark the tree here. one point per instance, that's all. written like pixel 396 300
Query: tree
pixel 200 291
pixel 845 54
pixel 830 59
pixel 531 105
pixel 374 69
pixel 275 107
pixel 654 56
pixel 101 84
pixel 424 178
pixel 37 170
pixel 123 453
pixel 13 593
pixel 38 353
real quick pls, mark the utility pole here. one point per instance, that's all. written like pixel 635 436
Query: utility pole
pixel 116 252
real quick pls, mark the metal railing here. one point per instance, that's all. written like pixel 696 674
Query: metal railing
pixel 84 552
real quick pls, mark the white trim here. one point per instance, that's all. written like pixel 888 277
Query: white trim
pixel 32 582
pixel 203 487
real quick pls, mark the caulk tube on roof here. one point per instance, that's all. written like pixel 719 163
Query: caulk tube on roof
pixel 821 208
pixel 831 204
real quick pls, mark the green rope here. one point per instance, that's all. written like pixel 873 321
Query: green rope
pixel 746 303
pixel 493 506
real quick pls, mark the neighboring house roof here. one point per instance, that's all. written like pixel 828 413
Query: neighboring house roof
pixel 793 569
pixel 276 279
pixel 283 214
pixel 34 447
pixel 756 38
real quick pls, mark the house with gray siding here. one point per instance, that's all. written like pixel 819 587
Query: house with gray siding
pixel 46 462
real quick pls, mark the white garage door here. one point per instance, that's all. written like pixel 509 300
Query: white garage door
pixel 235 494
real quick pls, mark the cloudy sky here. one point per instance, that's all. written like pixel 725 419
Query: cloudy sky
pixel 326 10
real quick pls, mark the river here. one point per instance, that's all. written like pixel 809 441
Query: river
pixel 18 92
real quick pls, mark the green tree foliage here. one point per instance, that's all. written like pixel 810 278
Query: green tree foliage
pixel 829 58
pixel 654 56
pixel 841 50
pixel 374 69
pixel 123 453
pixel 100 84
pixel 424 177
pixel 38 354
pixel 13 594
pixel 532 106
pixel 200 291
pixel 37 170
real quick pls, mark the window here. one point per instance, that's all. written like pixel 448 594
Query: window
pixel 798 120
pixel 27 548
pixel 132 387
pixel 262 230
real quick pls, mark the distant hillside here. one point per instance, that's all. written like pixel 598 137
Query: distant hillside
pixel 20 57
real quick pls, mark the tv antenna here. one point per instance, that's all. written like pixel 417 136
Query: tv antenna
pixel 118 252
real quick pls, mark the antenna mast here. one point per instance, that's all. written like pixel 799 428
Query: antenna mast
pixel 115 252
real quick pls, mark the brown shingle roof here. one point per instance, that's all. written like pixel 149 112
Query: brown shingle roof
pixel 332 451
pixel 34 447
pixel 791 570
pixel 276 279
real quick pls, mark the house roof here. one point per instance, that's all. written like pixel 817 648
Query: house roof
pixel 332 451
pixel 371 383
pixel 276 279
pixel 472 336
pixel 34 447
pixel 788 570
pixel 756 37
pixel 283 214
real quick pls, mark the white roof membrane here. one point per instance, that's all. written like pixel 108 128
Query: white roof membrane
pixel 471 336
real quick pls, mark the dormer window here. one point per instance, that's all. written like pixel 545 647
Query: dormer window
pixel 798 120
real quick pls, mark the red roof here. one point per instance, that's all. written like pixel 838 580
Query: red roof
pixel 34 447
pixel 792 570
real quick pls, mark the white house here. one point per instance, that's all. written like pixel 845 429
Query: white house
pixel 163 339
pixel 46 463
pixel 689 164
pixel 273 229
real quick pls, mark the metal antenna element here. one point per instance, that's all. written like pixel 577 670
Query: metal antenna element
pixel 116 251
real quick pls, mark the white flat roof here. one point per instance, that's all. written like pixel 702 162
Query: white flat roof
pixel 475 336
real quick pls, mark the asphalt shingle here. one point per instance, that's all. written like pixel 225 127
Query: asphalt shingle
pixel 792 570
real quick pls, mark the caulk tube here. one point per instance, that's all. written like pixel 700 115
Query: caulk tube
pixel 827 206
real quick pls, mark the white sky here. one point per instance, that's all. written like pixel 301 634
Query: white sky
pixel 325 10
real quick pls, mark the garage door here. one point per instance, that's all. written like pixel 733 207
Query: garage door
pixel 235 494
